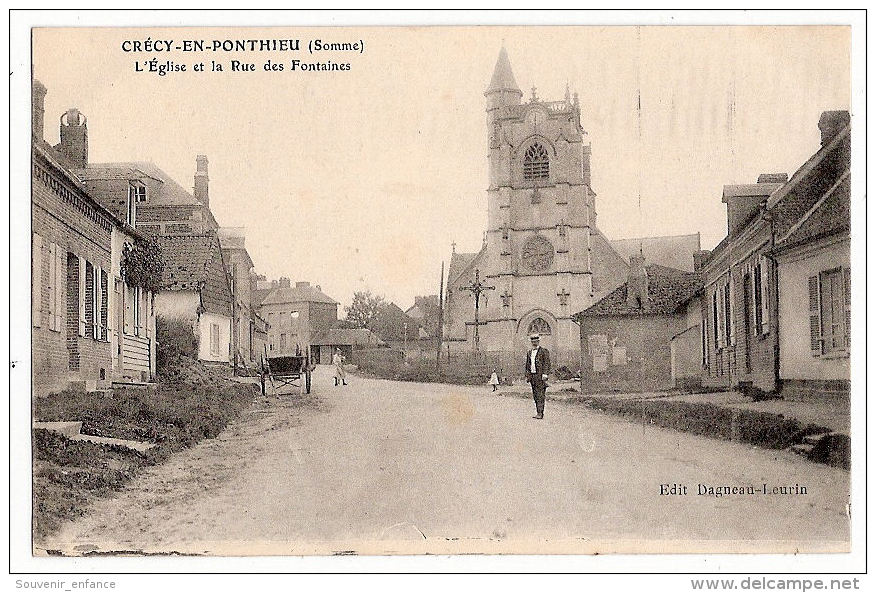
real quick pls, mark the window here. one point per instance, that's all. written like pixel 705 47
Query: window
pixel 715 327
pixel 728 314
pixel 136 194
pixel 536 164
pixel 97 296
pixel 214 339
pixel 763 272
pixel 539 326
pixel 57 272
pixel 282 342
pixel 830 311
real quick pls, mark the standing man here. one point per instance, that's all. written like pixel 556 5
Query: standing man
pixel 538 365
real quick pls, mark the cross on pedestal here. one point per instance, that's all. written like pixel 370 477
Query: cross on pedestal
pixel 476 288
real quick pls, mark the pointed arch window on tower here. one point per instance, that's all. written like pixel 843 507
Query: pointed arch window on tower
pixel 536 164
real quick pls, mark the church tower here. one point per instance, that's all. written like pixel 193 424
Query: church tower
pixel 537 247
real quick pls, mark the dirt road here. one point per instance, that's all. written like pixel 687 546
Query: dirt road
pixel 387 467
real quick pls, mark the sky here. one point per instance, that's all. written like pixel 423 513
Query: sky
pixel 362 179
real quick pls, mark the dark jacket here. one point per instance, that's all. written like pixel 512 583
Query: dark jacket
pixel 542 365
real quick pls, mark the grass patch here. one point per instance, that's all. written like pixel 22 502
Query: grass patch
pixel 68 475
pixel 770 431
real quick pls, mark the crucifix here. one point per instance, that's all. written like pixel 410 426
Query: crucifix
pixel 476 288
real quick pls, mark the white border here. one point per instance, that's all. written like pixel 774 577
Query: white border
pixel 19 225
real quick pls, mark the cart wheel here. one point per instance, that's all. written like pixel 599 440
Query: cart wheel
pixel 307 380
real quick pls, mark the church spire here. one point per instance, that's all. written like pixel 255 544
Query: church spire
pixel 503 78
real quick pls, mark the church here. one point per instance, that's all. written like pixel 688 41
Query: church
pixel 543 258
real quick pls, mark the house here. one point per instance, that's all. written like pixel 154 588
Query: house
pixel 626 335
pixel 739 292
pixel 92 324
pixel 250 330
pixel 325 342
pixel 776 304
pixel 425 311
pixel 295 315
pixel 196 290
pixel 163 206
pixel 812 220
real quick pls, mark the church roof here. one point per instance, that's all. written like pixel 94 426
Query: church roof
pixel 503 77
pixel 668 289
pixel 459 263
pixel 674 251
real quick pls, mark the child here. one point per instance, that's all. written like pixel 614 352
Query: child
pixel 494 381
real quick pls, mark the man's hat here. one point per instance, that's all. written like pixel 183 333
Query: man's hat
pixel 534 336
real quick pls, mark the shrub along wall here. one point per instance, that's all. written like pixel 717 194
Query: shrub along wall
pixel 763 429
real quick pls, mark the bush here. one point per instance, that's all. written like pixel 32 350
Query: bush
pixel 771 431
pixel 176 341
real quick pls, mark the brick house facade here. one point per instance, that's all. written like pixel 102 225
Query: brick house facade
pixel 76 253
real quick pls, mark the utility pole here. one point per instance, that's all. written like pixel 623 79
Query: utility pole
pixel 476 288
pixel 440 321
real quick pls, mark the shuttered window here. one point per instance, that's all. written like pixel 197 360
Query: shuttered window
pixel 36 286
pixel 57 271
pixel 830 321
pixel 757 300
pixel 214 339
pixel 716 330
pixel 135 309
pixel 814 316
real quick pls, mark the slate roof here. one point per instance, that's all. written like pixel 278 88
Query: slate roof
pixel 668 289
pixel 297 294
pixel 832 216
pixel 346 337
pixel 503 77
pixel 171 193
pixel 675 251
pixel 459 262
pixel 194 263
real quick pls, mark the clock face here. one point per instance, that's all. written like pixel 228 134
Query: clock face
pixel 537 254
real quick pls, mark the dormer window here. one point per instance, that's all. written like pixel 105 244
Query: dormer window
pixel 536 164
pixel 136 194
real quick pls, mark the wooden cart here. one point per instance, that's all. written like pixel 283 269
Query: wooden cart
pixel 286 371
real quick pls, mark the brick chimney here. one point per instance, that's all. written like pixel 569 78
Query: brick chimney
pixel 302 285
pixel 831 123
pixel 699 257
pixel 285 282
pixel 202 181
pixel 637 283
pixel 38 108
pixel 74 137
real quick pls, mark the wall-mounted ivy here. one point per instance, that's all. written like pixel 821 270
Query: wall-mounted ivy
pixel 142 264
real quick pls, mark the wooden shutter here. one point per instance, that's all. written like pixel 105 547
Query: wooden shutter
pixel 847 292
pixel 128 314
pixel 89 292
pixel 60 293
pixel 104 305
pixel 815 345
pixel 36 285
pixel 81 296
pixel 53 275
pixel 731 326
pixel 764 294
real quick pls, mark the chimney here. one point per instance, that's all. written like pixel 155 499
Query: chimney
pixel 38 108
pixel 637 283
pixel 772 178
pixel 202 181
pixel 699 257
pixel 302 285
pixel 285 282
pixel 74 137
pixel 831 123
